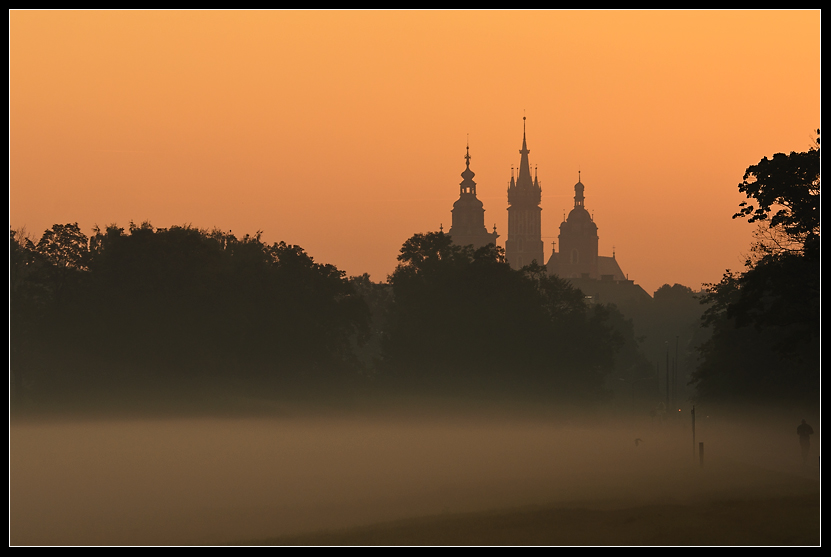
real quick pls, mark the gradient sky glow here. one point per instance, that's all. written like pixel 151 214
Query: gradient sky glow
pixel 344 132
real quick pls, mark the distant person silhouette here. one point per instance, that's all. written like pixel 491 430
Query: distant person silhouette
pixel 805 431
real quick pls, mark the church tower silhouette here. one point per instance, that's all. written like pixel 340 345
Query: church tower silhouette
pixel 524 243
pixel 599 277
pixel 578 256
pixel 578 240
pixel 468 227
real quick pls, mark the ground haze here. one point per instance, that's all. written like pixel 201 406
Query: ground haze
pixel 203 480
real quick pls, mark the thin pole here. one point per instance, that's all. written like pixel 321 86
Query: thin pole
pixel 693 429
pixel 668 406
pixel 675 386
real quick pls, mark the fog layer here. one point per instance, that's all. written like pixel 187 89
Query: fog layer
pixel 195 481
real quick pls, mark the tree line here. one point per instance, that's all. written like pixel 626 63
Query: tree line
pixel 151 306
pixel 181 305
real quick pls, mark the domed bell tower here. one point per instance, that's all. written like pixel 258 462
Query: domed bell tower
pixel 578 240
pixel 468 226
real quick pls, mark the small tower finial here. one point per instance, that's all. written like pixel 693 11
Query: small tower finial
pixel 441 228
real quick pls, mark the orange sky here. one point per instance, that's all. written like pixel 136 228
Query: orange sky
pixel 344 132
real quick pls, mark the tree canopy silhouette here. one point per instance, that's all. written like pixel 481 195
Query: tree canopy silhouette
pixel 765 320
pixel 463 316
pixel 176 303
pixel 163 306
pixel 786 192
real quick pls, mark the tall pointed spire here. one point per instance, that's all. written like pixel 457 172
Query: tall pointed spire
pixel 525 186
pixel 524 243
pixel 524 173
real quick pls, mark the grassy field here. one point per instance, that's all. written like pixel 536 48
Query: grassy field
pixel 786 521
pixel 732 504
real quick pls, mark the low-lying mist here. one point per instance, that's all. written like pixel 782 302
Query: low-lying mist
pixel 212 480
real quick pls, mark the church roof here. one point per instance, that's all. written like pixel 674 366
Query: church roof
pixel 467 200
pixel 579 215
pixel 608 266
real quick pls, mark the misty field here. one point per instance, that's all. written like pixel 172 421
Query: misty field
pixel 435 474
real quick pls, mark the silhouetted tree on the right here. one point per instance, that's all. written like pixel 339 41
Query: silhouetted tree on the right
pixel 765 320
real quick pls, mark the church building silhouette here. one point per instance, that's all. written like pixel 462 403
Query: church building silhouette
pixel 599 277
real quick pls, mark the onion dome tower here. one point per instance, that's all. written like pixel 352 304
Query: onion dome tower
pixel 468 227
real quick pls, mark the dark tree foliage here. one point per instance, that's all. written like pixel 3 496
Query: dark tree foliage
pixel 178 303
pixel 155 307
pixel 464 317
pixel 44 277
pixel 786 192
pixel 676 320
pixel 752 363
pixel 28 297
pixel 765 320
pixel 367 346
